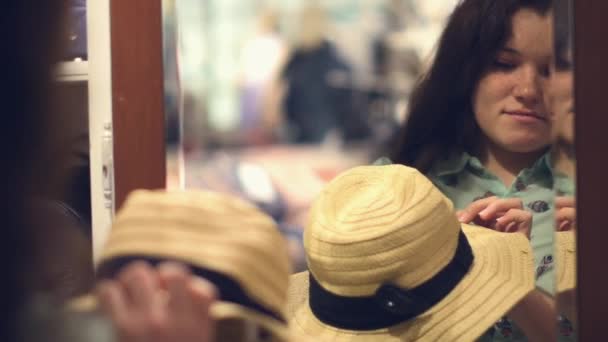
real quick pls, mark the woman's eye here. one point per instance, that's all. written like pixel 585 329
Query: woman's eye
pixel 563 64
pixel 545 71
pixel 504 65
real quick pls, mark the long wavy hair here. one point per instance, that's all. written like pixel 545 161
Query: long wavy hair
pixel 440 116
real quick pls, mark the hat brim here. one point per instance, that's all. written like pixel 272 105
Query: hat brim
pixel 219 311
pixel 565 258
pixel 501 275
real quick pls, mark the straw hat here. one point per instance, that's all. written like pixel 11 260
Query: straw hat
pixel 388 261
pixel 222 238
pixel 565 260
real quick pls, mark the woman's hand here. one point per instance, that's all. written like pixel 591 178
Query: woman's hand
pixel 565 213
pixel 158 305
pixel 500 214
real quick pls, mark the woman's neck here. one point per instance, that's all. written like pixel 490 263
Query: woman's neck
pixel 563 160
pixel 504 164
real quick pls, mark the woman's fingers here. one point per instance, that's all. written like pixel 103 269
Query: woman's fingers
pixel 485 212
pixel 189 302
pixel 472 211
pixel 203 294
pixel 112 300
pixel 515 220
pixel 565 213
pixel 175 278
pixel 565 218
pixel 565 201
pixel 496 208
pixel 141 284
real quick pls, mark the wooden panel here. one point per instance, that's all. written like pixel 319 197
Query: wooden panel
pixel 591 74
pixel 137 91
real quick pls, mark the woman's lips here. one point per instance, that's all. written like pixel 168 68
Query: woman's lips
pixel 526 116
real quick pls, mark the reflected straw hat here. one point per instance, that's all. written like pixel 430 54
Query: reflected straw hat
pixel 223 239
pixel 388 261
pixel 565 260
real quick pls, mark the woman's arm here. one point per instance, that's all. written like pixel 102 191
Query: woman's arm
pixel 566 303
pixel 536 316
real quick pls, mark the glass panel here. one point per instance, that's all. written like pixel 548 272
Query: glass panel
pixel 269 100
pixel 561 102
pixel 75 36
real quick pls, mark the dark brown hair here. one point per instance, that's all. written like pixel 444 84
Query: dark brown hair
pixel 562 34
pixel 440 117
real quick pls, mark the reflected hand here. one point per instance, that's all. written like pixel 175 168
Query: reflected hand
pixel 500 214
pixel 158 305
pixel 565 213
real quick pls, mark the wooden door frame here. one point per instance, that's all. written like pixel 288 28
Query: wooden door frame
pixel 138 117
pixel 138 124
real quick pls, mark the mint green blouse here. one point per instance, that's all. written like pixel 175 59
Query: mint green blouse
pixel 463 179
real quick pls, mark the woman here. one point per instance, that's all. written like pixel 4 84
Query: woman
pixel 479 128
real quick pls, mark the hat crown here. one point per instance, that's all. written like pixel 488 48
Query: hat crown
pixel 212 231
pixel 379 224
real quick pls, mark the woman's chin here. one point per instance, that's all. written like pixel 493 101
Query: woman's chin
pixel 527 145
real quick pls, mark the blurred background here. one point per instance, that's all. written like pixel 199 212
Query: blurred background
pixel 271 99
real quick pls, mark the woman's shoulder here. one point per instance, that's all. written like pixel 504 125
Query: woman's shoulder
pixel 382 161
pixel 441 167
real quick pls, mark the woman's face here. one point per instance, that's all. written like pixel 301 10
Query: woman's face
pixel 560 98
pixel 508 102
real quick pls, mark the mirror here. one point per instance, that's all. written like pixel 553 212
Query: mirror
pixel 561 103
pixel 271 99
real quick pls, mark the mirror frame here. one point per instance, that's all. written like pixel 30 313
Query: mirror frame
pixel 590 76
pixel 138 117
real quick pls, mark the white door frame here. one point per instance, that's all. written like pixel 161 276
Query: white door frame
pixel 100 120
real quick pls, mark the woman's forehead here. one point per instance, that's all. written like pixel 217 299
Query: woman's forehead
pixel 531 34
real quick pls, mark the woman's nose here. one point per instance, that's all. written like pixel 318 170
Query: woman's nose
pixel 528 88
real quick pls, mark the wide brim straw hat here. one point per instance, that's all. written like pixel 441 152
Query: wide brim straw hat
pixel 386 237
pixel 565 260
pixel 219 237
